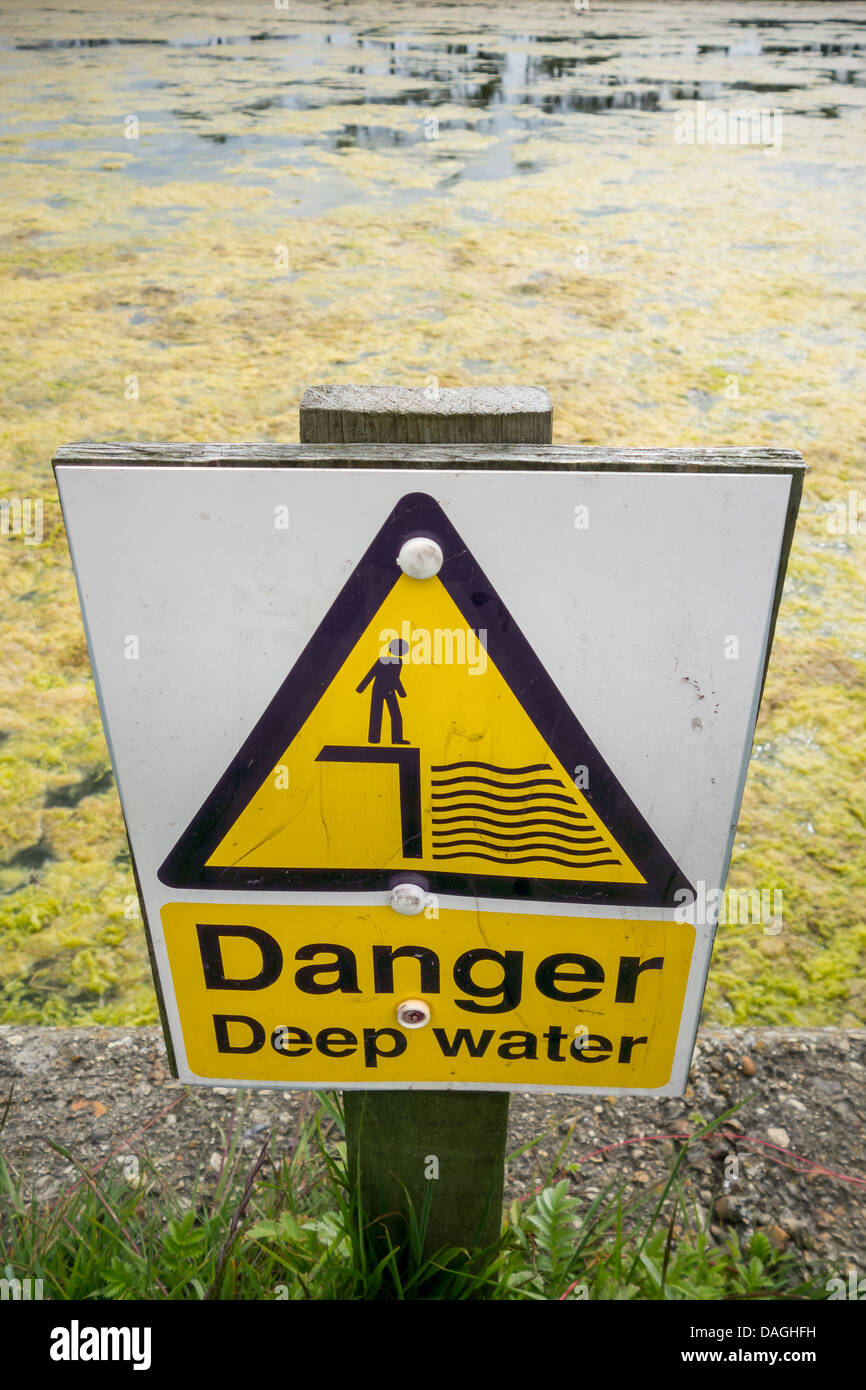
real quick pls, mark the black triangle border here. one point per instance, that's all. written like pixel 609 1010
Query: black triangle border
pixel 366 589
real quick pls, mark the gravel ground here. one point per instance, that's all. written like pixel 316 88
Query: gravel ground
pixel 798 1143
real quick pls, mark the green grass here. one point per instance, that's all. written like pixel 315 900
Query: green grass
pixel 300 1234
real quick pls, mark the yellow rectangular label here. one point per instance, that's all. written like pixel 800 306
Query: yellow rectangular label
pixel 291 995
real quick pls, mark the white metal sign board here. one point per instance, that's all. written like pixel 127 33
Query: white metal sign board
pixel 429 772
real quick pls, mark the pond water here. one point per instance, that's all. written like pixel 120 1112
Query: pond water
pixel 209 207
pixel 234 92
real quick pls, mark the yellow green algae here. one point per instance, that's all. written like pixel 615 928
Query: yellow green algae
pixel 664 294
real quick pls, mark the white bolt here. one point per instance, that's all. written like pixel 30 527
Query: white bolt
pixel 408 899
pixel 413 1013
pixel 420 558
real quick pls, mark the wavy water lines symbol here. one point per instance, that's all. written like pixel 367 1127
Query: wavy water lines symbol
pixel 513 815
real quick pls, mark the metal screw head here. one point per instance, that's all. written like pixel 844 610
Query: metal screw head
pixel 413 1013
pixel 407 899
pixel 420 558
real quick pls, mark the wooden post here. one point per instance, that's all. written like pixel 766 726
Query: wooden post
pixel 400 1139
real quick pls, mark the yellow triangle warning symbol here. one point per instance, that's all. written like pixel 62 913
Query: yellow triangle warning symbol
pixel 419 755
pixel 419 735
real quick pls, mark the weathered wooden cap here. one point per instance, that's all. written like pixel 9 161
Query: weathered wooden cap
pixel 426 415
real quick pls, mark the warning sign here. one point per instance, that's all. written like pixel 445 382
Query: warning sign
pixel 431 772
pixel 310 996
pixel 419 732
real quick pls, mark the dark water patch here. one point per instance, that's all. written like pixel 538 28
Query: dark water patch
pixel 822 113
pixel 33 857
pixel 71 794
pixel 590 35
pixel 132 41
pixel 412 96
pixel 51 45
pixel 254 108
pixel 597 101
pixel 785 50
pixel 749 86
pixel 788 22
pixel 483 95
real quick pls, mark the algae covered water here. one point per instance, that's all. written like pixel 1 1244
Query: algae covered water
pixel 207 208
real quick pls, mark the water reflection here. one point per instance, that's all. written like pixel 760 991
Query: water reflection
pixel 497 88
